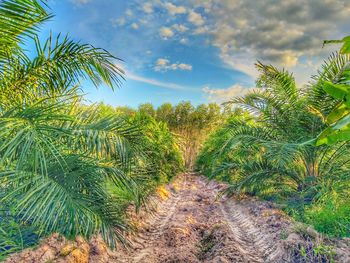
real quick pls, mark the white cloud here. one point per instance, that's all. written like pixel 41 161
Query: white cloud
pixel 118 22
pixel 180 28
pixel 207 5
pixel 241 62
pixel 154 82
pixel 162 62
pixel 135 26
pixel 184 41
pixel 224 95
pixel 147 8
pixel 184 66
pixel 163 65
pixel 166 32
pixel 195 18
pixel 284 34
pixel 129 12
pixel 174 10
pixel 289 59
pixel 80 2
pixel 168 85
pixel 201 30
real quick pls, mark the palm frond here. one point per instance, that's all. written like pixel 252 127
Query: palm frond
pixel 70 200
pixel 280 82
pixel 335 69
pixel 19 19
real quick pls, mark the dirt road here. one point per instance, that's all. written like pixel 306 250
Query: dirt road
pixel 193 225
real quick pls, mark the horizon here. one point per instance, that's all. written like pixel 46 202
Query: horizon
pixel 198 51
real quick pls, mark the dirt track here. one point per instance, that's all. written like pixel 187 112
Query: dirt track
pixel 193 225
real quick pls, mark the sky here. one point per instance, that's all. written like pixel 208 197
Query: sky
pixel 201 51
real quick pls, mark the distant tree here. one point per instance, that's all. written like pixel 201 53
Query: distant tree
pixel 182 114
pixel 106 109
pixel 147 108
pixel 125 110
pixel 192 125
pixel 165 113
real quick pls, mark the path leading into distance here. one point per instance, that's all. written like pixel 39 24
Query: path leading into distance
pixel 194 225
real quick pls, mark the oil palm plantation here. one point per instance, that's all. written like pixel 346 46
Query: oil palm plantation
pixel 60 161
pixel 270 149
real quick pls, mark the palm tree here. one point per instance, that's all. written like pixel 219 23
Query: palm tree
pixel 66 167
pixel 271 149
pixel 58 158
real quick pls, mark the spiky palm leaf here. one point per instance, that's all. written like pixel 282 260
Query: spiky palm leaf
pixel 55 158
pixel 19 19
pixel 272 148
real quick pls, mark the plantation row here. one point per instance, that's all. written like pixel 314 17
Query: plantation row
pixel 290 144
pixel 74 168
pixel 66 167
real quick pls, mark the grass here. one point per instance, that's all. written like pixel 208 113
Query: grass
pixel 331 218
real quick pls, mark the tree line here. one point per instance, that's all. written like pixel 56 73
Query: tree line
pixel 190 124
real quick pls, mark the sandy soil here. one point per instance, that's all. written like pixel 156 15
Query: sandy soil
pixel 193 225
pixel 190 223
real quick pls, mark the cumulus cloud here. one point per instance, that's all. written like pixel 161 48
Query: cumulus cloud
pixel 284 33
pixel 166 32
pixel 134 26
pixel 147 8
pixel 163 65
pixel 162 62
pixel 195 18
pixel 280 33
pixel 224 95
pixel 206 5
pixel 180 28
pixel 173 9
pixel 201 30
pixel 184 66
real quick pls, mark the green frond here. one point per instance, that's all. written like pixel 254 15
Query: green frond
pixel 59 65
pixel 280 82
pixel 336 69
pixel 70 200
pixel 19 19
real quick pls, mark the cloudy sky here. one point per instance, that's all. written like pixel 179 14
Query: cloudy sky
pixel 200 50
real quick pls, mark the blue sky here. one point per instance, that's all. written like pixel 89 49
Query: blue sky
pixel 200 51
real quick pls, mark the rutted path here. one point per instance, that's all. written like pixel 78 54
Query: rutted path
pixel 193 225
pixel 190 223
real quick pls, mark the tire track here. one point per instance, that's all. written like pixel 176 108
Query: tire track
pixel 250 240
pixel 253 242
pixel 242 241
pixel 142 244
pixel 194 226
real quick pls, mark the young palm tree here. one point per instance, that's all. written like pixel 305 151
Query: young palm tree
pixel 272 150
pixel 58 158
